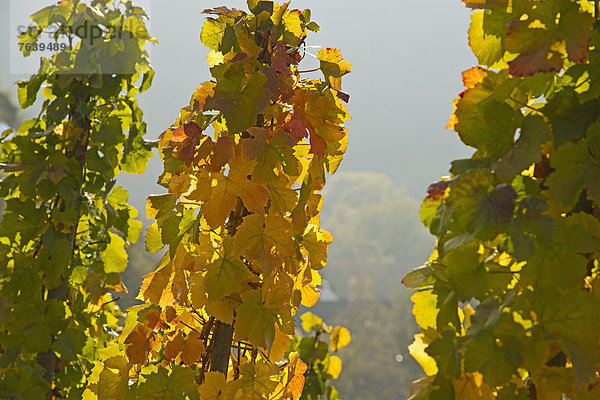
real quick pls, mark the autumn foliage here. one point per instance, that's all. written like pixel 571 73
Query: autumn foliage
pixel 243 167
pixel 508 302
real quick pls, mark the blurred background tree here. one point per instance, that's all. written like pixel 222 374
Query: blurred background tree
pixel 9 112
pixel 376 232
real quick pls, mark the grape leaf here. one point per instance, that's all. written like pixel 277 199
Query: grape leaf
pixel 255 382
pixel 224 195
pixel 177 384
pixel 225 274
pixel 115 256
pixel 340 338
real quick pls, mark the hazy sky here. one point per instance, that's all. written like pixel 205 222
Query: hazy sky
pixel 406 58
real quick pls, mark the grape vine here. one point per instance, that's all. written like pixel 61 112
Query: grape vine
pixel 243 165
pixel 66 224
pixel 508 302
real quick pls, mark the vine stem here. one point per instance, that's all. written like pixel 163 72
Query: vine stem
pixel 222 339
pixel 48 359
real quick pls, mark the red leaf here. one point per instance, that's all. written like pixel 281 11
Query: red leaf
pixel 184 140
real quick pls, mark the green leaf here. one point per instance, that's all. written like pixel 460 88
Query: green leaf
pixel 239 103
pixel 153 242
pixel 110 133
pixel 313 26
pixel 37 338
pixel 419 278
pixel 212 33
pixel 28 90
pixel 27 39
pixel 485 355
pixel 136 151
pixel 53 14
pixel 179 384
pixel 114 256
pixel 69 344
pixel 527 150
pixel 58 263
pixel 465 271
pixel 486 47
pixel 225 273
pixel 568 116
pixel 444 351
pixel 571 316
pixel 577 167
pixel 485 122
pixel 429 210
pixel 479 207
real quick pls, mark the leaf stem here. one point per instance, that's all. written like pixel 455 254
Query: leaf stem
pixel 309 70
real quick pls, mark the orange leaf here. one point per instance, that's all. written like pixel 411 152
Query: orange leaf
pixel 139 346
pixel 296 370
pixel 192 349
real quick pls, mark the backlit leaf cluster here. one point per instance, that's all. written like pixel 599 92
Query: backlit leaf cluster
pixel 67 224
pixel 244 166
pixel 508 304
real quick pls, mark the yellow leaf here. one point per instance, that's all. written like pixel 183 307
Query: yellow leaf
pixel 254 321
pixel 226 273
pixel 292 22
pixel 260 239
pixel 340 338
pixel 204 91
pixel 316 242
pixel 154 286
pixel 325 116
pixel 220 309
pixel 311 321
pixel 214 58
pixel 307 284
pixel 201 186
pixel 212 388
pixel 254 382
pixel 247 43
pixel 334 367
pixel 113 381
pixel 417 350
pixel 227 189
pixel 283 199
pixel 425 309
pixel 472 387
pixel 256 318
pixel 115 256
pixel 279 347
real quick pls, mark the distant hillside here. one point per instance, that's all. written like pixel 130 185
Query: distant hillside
pixel 377 234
